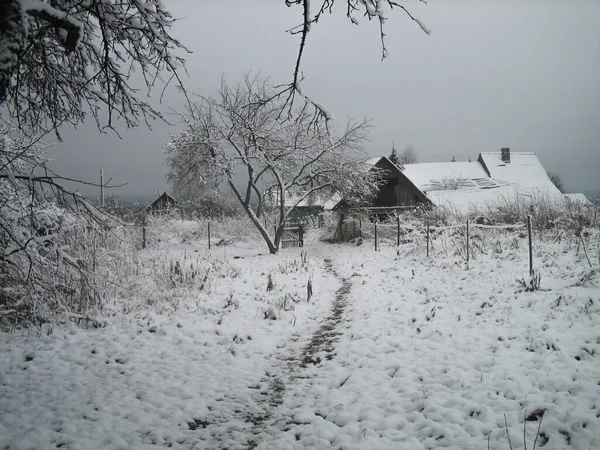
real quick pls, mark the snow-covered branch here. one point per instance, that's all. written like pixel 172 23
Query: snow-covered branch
pixel 239 136
pixel 64 59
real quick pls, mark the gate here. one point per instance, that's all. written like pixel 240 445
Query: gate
pixel 293 236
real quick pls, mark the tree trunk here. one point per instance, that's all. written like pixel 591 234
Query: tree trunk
pixel 273 248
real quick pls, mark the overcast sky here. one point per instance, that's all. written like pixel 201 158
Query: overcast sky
pixel 520 74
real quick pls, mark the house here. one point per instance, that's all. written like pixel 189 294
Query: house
pixel 461 186
pixel 163 204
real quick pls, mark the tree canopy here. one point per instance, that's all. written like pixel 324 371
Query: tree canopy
pixel 240 135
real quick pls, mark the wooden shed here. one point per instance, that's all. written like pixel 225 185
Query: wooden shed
pixel 164 203
pixel 396 191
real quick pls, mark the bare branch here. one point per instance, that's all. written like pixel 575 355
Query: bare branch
pixel 369 8
pixel 240 135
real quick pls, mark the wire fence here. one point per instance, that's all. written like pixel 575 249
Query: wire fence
pixel 466 240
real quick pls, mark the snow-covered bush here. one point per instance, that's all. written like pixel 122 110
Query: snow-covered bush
pixel 213 205
pixel 53 243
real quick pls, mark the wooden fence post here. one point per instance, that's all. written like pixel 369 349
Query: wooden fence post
pixel 360 227
pixel 530 245
pixel 301 236
pixel 428 240
pixel 143 237
pixel 209 235
pixel 467 241
pixel 375 236
pixel 398 231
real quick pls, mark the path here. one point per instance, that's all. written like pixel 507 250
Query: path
pixel 291 364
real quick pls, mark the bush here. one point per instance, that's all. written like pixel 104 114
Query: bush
pixel 214 205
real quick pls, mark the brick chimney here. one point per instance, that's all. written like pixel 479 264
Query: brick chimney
pixel 505 155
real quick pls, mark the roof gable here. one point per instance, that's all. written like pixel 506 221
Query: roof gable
pixel 384 163
pixel 163 201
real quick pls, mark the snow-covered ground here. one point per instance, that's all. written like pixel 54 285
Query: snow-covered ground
pixel 392 350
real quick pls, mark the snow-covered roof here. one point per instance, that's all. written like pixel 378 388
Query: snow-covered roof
pixel 523 170
pixel 449 176
pixel 328 202
pixel 374 160
pixel 477 184
pixel 466 200
pixel 371 162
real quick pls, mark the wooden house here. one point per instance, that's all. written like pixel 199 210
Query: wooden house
pixel 163 204
pixel 396 192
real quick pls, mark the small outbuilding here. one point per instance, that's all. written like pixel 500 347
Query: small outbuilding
pixel 163 204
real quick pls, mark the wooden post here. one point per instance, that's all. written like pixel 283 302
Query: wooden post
pixel 360 227
pixel 143 237
pixel 376 236
pixel 428 240
pixel 530 245
pixel 398 232
pixel 467 241
pixel 209 235
pixel 301 236
pixel 102 187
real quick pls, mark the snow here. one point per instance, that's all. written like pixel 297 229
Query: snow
pixel 524 170
pixel 466 186
pixel 393 350
pixel 578 199
pixel 428 176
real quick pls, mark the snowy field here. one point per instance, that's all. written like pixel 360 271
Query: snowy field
pixel 224 349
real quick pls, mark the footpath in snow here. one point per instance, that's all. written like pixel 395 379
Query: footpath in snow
pixel 392 350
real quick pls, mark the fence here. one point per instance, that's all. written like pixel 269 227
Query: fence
pixel 220 232
pixel 466 239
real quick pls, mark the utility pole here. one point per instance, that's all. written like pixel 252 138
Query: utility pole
pixel 101 187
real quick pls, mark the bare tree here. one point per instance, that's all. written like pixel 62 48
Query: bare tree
pixel 239 134
pixel 557 181
pixel 408 156
pixel 64 59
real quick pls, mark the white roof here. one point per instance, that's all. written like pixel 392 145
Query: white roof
pixel 328 202
pixel 523 170
pixel 448 176
pixel 468 200
pixel 373 161
pixel 464 186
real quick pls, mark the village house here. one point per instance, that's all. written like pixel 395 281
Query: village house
pixel 461 186
pixel 494 177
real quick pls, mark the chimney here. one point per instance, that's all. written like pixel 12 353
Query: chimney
pixel 505 155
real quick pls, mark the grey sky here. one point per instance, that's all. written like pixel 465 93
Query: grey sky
pixel 492 74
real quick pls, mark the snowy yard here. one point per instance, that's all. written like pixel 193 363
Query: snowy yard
pixel 392 350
